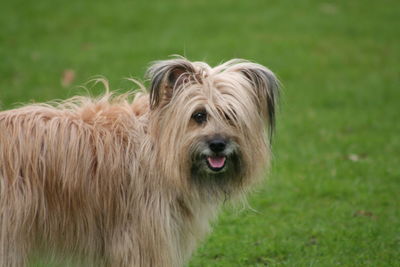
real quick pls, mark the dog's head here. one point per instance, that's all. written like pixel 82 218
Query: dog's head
pixel 211 123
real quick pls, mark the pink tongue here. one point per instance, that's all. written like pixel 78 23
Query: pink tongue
pixel 216 162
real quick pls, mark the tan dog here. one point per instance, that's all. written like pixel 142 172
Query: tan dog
pixel 116 182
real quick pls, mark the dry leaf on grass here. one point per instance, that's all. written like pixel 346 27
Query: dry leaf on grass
pixel 67 78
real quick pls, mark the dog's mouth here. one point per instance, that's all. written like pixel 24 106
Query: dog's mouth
pixel 216 163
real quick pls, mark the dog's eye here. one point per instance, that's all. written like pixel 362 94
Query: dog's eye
pixel 199 117
pixel 228 118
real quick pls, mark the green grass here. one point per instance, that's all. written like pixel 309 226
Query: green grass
pixel 332 198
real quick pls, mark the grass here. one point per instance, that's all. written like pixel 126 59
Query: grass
pixel 333 194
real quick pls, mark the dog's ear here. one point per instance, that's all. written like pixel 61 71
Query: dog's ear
pixel 165 77
pixel 266 86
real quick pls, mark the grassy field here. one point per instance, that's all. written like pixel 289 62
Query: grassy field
pixel 333 195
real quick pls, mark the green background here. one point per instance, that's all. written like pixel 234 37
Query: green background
pixel 332 198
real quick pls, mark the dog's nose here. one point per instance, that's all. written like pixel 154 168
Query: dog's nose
pixel 217 145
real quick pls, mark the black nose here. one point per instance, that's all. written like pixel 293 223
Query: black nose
pixel 217 145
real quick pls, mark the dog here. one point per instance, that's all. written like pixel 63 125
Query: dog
pixel 122 180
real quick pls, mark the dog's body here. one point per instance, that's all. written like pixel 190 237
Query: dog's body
pixel 113 182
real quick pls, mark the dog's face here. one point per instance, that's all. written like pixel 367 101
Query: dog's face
pixel 211 122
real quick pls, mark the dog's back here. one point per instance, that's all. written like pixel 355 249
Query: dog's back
pixel 60 169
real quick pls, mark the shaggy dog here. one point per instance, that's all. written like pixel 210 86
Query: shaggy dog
pixel 116 181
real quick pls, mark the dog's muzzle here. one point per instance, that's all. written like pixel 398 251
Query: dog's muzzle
pixel 216 161
pixel 215 155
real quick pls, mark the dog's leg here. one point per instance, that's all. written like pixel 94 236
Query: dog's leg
pixel 11 255
pixel 129 250
pixel 123 250
pixel 13 243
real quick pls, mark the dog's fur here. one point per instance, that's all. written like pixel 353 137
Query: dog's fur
pixel 118 182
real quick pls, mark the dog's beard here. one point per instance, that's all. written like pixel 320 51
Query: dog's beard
pixel 216 173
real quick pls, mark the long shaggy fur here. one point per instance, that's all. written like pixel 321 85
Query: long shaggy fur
pixel 118 182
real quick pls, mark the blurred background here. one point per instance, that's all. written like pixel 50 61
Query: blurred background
pixel 332 197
